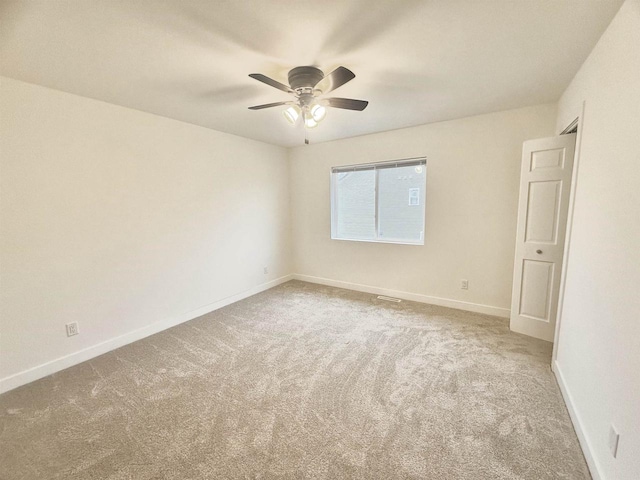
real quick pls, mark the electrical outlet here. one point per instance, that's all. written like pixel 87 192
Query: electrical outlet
pixel 464 284
pixel 72 329
pixel 266 270
pixel 614 439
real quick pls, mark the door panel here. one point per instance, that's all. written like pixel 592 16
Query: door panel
pixel 542 216
pixel 537 285
pixel 553 158
pixel 543 208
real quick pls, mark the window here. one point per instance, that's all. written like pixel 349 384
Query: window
pixel 379 202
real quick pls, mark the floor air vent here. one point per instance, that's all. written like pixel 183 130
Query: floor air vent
pixel 389 299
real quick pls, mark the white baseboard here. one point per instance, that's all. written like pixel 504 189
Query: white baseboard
pixel 40 371
pixel 415 297
pixel 577 424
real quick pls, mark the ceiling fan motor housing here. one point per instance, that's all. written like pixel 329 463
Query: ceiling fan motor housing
pixel 304 77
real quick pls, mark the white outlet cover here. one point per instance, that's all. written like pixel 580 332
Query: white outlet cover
pixel 72 329
pixel 614 439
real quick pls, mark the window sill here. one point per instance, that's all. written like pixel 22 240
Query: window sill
pixel 394 242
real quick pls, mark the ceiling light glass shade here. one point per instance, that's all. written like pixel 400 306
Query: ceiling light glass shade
pixel 309 122
pixel 318 112
pixel 291 114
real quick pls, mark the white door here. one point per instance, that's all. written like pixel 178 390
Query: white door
pixel 545 183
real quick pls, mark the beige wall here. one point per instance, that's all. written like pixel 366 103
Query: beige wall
pixel 118 219
pixel 599 339
pixel 473 171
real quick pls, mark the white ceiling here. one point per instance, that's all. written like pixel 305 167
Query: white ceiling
pixel 415 61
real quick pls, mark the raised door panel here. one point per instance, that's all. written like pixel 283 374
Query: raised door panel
pixel 545 159
pixel 542 214
pixel 536 289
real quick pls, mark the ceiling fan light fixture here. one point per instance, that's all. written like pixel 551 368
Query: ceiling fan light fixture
pixel 318 112
pixel 309 121
pixel 292 114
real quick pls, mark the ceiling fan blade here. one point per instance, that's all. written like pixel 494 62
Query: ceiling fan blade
pixel 269 105
pixel 335 79
pixel 270 81
pixel 346 103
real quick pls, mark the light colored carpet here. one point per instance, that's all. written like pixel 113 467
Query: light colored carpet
pixel 301 381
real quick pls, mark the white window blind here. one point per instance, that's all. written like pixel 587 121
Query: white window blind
pixel 379 202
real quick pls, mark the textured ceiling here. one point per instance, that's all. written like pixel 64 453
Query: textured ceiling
pixel 415 61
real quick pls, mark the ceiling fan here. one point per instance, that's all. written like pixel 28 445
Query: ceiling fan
pixel 308 85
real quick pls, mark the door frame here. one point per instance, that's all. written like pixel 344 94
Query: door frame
pixel 577 122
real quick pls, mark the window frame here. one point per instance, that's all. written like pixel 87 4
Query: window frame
pixel 405 162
